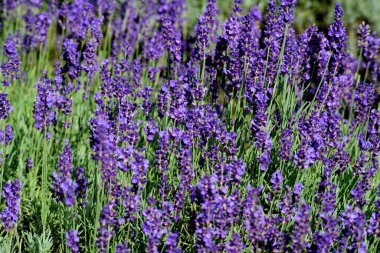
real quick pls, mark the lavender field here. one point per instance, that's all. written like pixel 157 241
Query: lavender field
pixel 146 126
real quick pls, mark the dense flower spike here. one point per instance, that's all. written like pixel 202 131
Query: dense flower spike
pixel 37 27
pixel 72 240
pixel 121 248
pixel 302 229
pixel 11 194
pixel 10 69
pixel 103 145
pixel 172 40
pixel 171 243
pixel 63 185
pixel 5 106
pixel 6 135
pixel 44 105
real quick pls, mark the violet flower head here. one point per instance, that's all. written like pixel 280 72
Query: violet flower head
pixel 276 181
pixel 29 163
pixel 10 69
pixel 108 221
pixel 171 243
pixel 153 227
pixel 302 229
pixel 12 196
pixel 286 143
pixel 237 7
pixel 374 224
pixel 78 15
pixel 104 235
pixel 369 43
pixel 338 40
pixel 6 135
pixel 122 248
pixel 211 18
pixel 63 185
pixel 154 47
pixel 72 57
pixel 5 106
pixel 151 129
pixel 10 5
pixel 172 39
pixel 65 161
pixel 44 104
pixel 354 221
pixel 90 64
pixel 72 240
pixel 37 26
pixel 253 217
pixel 139 166
pixel 202 43
pixel 104 147
pixel 287 11
pixel 96 29
pixel 82 185
pixel 235 245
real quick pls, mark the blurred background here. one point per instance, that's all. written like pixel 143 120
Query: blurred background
pixel 308 12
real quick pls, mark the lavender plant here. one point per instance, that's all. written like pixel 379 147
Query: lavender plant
pixel 125 128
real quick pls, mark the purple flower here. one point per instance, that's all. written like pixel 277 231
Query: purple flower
pixel 254 220
pixel 172 39
pixel 7 135
pixel 374 224
pixel 5 106
pixel 122 248
pixel 72 240
pixel 235 245
pixel 153 227
pixel 146 94
pixel 154 47
pixel 301 229
pixel 202 43
pixel 139 167
pixel 369 43
pixel 286 143
pixel 96 29
pixel 90 64
pixel 104 147
pixel 131 203
pixel 353 222
pixel 29 163
pixel 104 235
pixel 10 69
pixel 219 213
pixel 63 185
pixel 171 243
pixel 338 41
pixel 78 15
pixel 151 129
pixel 44 104
pixel 12 196
pixel 72 57
pixel 287 11
pixel 82 185
pixel 37 27
pixel 276 181
pixel 108 221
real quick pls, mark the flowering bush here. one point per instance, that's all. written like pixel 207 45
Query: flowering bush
pixel 122 132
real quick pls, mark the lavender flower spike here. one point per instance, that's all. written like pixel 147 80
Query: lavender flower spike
pixel 12 196
pixel 72 240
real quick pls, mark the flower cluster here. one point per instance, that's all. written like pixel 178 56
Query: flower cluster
pixel 11 194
